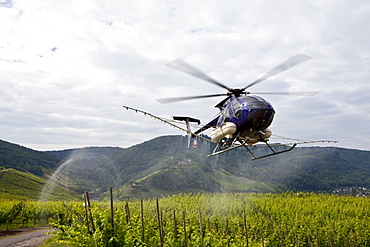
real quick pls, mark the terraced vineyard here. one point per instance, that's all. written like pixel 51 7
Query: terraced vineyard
pixel 20 185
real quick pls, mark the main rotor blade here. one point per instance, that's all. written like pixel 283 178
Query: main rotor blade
pixel 293 61
pixel 184 67
pixel 288 93
pixel 169 100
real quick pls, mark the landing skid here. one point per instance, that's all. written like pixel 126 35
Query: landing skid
pixel 271 154
pixel 225 147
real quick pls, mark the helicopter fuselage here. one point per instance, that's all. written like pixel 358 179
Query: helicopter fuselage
pixel 244 117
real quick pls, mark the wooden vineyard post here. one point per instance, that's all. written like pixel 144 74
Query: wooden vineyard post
pixel 317 238
pixel 159 223
pixel 174 224
pixel 87 213
pixel 127 209
pixel 201 226
pixel 161 214
pixel 227 232
pixel 142 221
pixel 111 207
pixel 245 228
pixel 309 240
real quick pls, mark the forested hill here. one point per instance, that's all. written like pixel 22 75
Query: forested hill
pixel 26 160
pixel 165 165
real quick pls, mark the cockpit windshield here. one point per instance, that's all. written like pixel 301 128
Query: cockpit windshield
pixel 256 102
pixel 237 108
pixel 248 98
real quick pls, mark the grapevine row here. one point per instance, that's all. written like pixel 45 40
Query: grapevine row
pixel 220 220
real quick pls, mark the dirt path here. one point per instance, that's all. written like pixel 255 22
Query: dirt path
pixel 25 238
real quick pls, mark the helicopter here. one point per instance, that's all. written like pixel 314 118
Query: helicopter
pixel 244 117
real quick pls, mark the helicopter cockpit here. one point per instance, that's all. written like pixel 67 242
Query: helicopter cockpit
pixel 256 102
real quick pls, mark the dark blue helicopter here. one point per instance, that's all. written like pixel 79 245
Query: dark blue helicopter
pixel 243 119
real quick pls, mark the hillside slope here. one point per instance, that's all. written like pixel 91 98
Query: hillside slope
pixel 88 169
pixel 165 165
pixel 20 185
pixel 26 160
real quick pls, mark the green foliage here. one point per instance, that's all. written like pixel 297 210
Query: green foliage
pixel 237 219
pixel 290 219
pixel 16 214
pixel 25 159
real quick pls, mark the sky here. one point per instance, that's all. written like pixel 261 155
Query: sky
pixel 68 67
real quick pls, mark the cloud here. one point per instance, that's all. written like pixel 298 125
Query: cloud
pixel 66 68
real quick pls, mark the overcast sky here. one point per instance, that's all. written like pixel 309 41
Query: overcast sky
pixel 68 67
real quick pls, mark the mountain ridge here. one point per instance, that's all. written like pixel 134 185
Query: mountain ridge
pixel 164 165
pixel 26 159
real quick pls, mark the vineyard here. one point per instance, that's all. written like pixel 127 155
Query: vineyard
pixel 16 214
pixel 289 219
pixel 20 185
